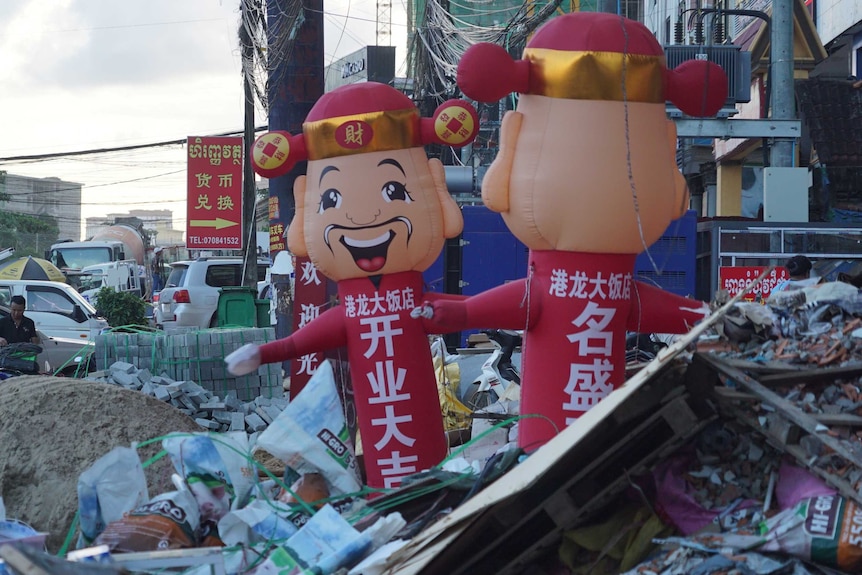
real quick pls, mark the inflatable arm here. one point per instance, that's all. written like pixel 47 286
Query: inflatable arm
pixel 324 332
pixel 657 311
pixel 503 307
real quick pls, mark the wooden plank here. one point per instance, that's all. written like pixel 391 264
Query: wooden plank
pixel 173 558
pixel 788 410
pixel 810 376
pixel 840 419
pixel 799 454
pixel 766 367
pixel 26 561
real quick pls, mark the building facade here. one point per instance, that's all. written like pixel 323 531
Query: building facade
pixel 52 197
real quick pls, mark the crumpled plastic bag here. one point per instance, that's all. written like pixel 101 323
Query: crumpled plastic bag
pixel 456 415
pixel 620 542
pixel 114 485
pixel 215 468
pixel 826 530
pixel 257 522
pixel 167 521
pixel 311 435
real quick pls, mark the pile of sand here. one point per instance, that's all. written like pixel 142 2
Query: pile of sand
pixel 53 428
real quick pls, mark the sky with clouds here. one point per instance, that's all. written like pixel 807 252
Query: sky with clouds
pixel 90 74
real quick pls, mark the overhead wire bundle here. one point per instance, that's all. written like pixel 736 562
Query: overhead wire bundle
pixel 446 29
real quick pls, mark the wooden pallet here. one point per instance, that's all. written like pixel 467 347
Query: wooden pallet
pixel 644 430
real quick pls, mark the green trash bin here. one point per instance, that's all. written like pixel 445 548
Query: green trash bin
pixel 236 307
pixel 262 306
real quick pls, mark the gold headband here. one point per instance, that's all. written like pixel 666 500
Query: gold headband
pixel 362 133
pixel 597 75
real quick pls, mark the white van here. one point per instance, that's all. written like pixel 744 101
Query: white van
pixel 56 308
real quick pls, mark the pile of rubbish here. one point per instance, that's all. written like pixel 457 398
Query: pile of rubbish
pixel 739 449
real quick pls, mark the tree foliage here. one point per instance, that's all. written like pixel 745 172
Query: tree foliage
pixel 121 308
pixel 29 235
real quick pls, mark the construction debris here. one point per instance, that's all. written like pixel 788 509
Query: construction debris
pixel 709 460
pixel 210 411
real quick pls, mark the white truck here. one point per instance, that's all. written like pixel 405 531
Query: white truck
pixel 122 276
pixel 109 258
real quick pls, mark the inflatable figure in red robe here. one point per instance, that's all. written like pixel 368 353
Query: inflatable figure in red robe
pixel 585 177
pixel 372 213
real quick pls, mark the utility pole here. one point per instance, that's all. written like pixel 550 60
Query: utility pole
pixel 249 191
pixel 295 68
pixel 781 79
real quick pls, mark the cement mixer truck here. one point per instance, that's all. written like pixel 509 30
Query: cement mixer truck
pixel 114 257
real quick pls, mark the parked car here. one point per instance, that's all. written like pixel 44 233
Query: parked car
pixel 56 308
pixel 63 355
pixel 191 293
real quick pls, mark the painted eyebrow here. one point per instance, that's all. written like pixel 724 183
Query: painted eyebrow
pixel 325 171
pixel 391 162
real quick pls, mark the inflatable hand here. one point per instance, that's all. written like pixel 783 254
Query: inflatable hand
pixel 244 360
pixel 442 316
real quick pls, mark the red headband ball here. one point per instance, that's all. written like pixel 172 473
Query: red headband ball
pixel 362 118
pixel 487 73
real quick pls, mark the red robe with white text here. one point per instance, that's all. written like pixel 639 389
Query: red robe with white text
pixel 576 308
pixel 394 386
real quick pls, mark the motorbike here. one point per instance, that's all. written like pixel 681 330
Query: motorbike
pixel 19 359
pixel 643 347
pixel 498 372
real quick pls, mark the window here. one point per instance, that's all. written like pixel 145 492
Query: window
pixel 224 275
pixel 49 300
pixel 178 274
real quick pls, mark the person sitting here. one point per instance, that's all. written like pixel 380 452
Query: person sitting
pixel 799 269
pixel 16 327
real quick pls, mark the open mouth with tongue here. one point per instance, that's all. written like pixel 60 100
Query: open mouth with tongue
pixel 369 254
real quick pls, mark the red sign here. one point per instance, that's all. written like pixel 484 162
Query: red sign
pixel 214 210
pixel 736 279
pixel 309 301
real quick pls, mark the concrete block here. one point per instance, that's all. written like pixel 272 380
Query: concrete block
pixel 214 406
pixel 127 380
pixel 199 398
pixel 192 387
pixel 237 421
pixel 231 400
pixel 255 422
pixel 148 388
pixel 144 375
pixel 207 424
pixel 263 415
pixel 272 411
pixel 262 401
pixel 188 403
pixel 162 393
pixel 223 416
pixel 123 366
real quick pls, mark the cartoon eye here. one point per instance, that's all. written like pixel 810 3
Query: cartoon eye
pixel 331 198
pixel 395 191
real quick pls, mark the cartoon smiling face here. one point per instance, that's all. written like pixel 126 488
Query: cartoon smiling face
pixel 371 214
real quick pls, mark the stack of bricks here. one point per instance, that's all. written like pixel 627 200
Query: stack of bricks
pixel 196 355
pixel 212 412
